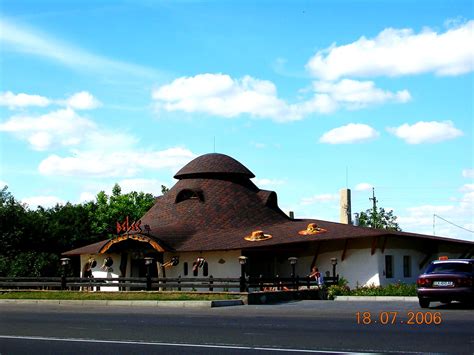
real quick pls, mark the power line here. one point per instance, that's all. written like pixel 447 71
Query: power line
pixel 454 224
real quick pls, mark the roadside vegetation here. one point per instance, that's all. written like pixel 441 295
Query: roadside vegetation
pixel 32 240
pixel 397 289
pixel 126 296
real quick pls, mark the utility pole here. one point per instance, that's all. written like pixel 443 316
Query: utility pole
pixel 374 208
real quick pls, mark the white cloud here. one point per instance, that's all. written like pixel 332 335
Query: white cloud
pixel 467 188
pixel 127 162
pixel 151 186
pixel 319 198
pixel 221 95
pixel 15 37
pixel 21 100
pixel 420 218
pixel 354 94
pixel 468 173
pixel 82 101
pixel 62 127
pixel 395 52
pixel 258 145
pixel 86 197
pixel 364 186
pixel 351 133
pixel 426 132
pixel 267 182
pixel 43 201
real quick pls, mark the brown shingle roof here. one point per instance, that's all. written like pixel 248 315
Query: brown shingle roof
pixel 229 208
pixel 213 164
pixel 88 249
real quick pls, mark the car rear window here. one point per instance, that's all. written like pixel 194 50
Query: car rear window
pixel 449 268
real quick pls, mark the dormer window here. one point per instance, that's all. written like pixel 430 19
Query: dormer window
pixel 188 194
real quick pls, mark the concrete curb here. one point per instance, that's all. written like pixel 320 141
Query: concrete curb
pixel 377 298
pixel 126 303
pixel 227 303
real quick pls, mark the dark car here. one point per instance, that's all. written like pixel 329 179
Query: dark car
pixel 445 281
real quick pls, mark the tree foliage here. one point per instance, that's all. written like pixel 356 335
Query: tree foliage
pixel 32 240
pixel 107 210
pixel 379 218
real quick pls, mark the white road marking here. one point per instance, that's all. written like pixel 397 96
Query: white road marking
pixel 130 342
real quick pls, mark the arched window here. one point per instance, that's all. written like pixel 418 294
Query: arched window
pixel 185 266
pixel 188 194
pixel 205 269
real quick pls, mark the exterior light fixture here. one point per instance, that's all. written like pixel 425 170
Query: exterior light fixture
pixel 293 260
pixel 64 264
pixel 65 261
pixel 242 260
pixel 334 263
pixel 148 263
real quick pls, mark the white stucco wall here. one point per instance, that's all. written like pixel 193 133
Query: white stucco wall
pixel 229 268
pixel 398 248
pixel 97 272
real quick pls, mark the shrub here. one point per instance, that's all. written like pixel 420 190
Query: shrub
pixel 338 290
pixel 397 289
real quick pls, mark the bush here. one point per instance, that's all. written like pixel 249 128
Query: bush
pixel 338 290
pixel 397 289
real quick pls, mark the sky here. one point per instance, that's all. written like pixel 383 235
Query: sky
pixel 311 96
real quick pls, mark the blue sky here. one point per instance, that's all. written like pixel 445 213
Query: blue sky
pixel 312 96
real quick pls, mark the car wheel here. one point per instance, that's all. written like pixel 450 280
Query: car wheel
pixel 424 303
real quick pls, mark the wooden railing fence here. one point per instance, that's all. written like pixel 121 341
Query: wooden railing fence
pixel 247 284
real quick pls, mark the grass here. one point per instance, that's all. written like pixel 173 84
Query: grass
pixel 130 296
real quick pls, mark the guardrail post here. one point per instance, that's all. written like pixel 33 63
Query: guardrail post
pixel 179 283
pixel 211 281
pixel 297 286
pixel 63 282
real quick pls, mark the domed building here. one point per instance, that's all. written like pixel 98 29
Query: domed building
pixel 215 213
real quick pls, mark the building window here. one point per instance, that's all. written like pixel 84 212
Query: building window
pixel 185 267
pixel 188 194
pixel 205 269
pixel 406 266
pixel 389 266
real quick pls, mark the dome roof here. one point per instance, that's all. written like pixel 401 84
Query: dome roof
pixel 213 164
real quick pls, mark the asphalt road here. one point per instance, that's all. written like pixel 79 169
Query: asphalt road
pixel 305 326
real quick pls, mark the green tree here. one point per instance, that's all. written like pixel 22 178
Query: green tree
pixel 107 210
pixel 380 219
pixel 164 189
pixel 32 240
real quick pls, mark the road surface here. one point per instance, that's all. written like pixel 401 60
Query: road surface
pixel 305 326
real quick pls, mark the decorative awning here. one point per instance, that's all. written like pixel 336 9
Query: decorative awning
pixel 312 229
pixel 137 237
pixel 257 236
